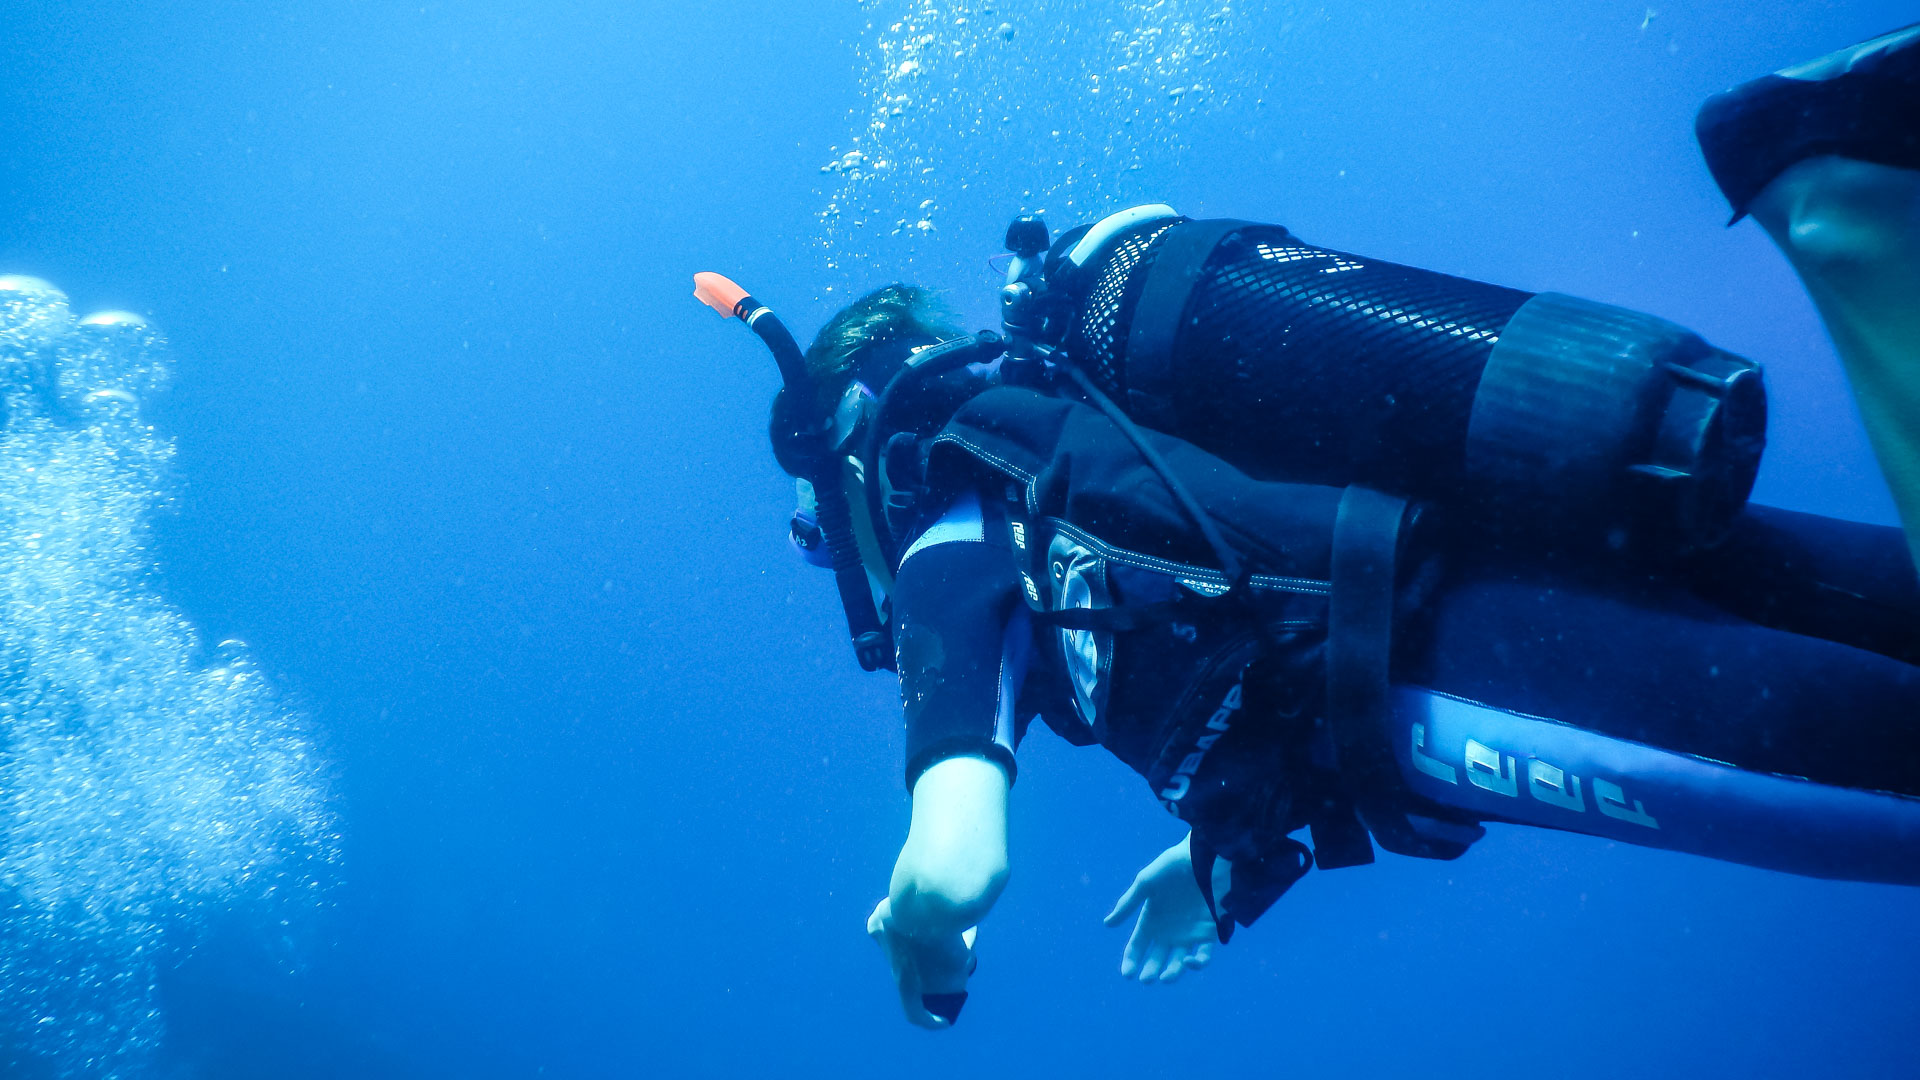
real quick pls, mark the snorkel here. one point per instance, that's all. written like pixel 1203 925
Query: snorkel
pixel 802 444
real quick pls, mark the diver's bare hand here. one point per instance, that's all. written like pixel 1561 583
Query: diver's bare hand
pixel 922 967
pixel 1175 931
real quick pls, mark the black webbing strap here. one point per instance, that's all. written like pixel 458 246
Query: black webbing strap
pixel 1339 838
pixel 872 640
pixel 1366 539
pixel 1254 882
pixel 1179 261
pixel 1238 575
pixel 1366 533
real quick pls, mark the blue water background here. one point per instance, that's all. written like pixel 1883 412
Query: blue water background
pixel 478 480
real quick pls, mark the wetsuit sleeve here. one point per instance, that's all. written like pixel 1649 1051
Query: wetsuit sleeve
pixel 962 640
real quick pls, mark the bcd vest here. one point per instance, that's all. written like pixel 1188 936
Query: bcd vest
pixel 1251 712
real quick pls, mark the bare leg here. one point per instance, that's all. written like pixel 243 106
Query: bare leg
pixel 1851 229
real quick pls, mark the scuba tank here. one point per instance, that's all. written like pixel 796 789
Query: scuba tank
pixel 1564 420
pixel 1549 419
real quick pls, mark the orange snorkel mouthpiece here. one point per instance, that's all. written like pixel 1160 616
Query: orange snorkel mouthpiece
pixel 719 293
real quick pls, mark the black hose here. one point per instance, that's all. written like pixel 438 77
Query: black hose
pixel 779 341
pixel 1230 564
pixel 872 646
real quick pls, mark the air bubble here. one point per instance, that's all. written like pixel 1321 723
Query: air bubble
pixel 148 788
pixel 1008 78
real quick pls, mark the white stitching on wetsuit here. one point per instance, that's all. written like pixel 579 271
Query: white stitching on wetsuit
pixel 1308 586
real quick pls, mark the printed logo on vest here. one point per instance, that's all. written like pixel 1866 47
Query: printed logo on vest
pixel 1218 725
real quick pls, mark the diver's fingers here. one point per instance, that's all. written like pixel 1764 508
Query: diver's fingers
pixel 1201 957
pixel 1129 900
pixel 907 976
pixel 1176 963
pixel 907 980
pixel 916 1009
pixel 1136 950
pixel 900 962
pixel 1156 960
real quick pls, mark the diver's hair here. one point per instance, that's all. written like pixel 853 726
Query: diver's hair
pixel 896 312
pixel 868 340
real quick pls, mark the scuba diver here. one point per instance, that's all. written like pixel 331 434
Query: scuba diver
pixel 1324 546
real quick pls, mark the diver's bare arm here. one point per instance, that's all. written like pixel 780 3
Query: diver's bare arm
pixel 953 865
pixel 1851 229
pixel 950 871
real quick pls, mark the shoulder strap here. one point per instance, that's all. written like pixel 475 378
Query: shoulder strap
pixel 1178 264
pixel 1366 537
pixel 872 640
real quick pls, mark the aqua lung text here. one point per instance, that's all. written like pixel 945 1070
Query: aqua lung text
pixel 1491 770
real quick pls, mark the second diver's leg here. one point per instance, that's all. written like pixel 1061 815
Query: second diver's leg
pixel 1851 229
